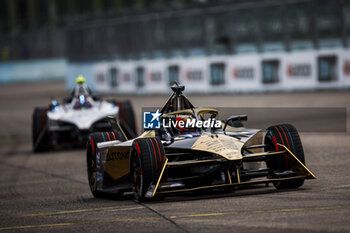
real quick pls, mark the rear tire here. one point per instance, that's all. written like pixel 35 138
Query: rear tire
pixel 94 163
pixel 39 134
pixel 288 136
pixel 146 159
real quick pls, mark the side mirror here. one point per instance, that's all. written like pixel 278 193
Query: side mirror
pixel 236 118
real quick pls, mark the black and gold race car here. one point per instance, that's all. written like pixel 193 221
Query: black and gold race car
pixel 189 150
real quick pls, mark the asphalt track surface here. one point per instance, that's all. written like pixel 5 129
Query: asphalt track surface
pixel 48 192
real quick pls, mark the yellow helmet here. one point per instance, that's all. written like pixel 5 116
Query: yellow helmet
pixel 80 79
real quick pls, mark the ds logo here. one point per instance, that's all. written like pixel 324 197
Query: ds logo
pixel 151 120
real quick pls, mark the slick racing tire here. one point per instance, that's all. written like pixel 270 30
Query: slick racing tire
pixel 93 162
pixel 288 136
pixel 39 132
pixel 146 159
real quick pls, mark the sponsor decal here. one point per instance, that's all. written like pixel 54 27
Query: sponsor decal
pixel 243 73
pixel 117 155
pixel 117 162
pixel 223 145
pixel 98 160
pixel 299 70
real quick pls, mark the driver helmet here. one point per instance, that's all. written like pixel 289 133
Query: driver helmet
pixel 80 79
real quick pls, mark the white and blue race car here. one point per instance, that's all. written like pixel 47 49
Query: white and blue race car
pixel 81 113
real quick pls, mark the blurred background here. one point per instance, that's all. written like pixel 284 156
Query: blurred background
pixel 141 46
pixel 292 57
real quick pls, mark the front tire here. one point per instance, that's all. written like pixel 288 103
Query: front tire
pixel 39 132
pixel 93 161
pixel 146 159
pixel 288 136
